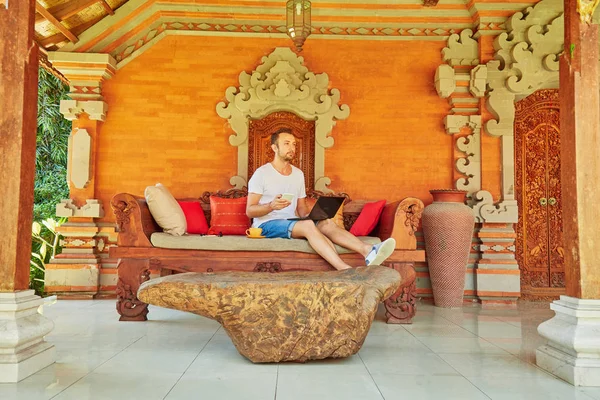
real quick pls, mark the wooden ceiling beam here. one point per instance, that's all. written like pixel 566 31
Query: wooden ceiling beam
pixel 68 9
pixel 59 37
pixel 40 9
pixel 106 6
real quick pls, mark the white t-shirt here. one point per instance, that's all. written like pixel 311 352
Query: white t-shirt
pixel 270 183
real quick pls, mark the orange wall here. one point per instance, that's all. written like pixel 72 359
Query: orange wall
pixel 162 125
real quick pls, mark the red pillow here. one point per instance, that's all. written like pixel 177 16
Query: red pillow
pixel 194 216
pixel 368 218
pixel 228 216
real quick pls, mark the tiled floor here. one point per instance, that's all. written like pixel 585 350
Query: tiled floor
pixel 466 353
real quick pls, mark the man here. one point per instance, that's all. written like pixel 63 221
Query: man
pixel 271 212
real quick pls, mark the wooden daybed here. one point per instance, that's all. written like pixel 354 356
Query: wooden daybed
pixel 137 255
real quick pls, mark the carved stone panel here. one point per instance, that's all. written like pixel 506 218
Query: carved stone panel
pixel 283 83
pixel 259 142
pixel 537 187
pixel 80 149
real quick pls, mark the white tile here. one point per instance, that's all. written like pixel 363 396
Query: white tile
pixel 349 365
pixel 185 355
pixel 395 340
pixel 439 330
pixel 224 385
pixel 529 388
pixel 119 383
pixel 44 384
pixel 404 362
pixel 492 329
pixel 221 355
pixel 151 361
pixel 593 392
pixel 523 348
pixel 427 387
pixel 326 384
pixel 460 345
pixel 383 328
pixel 491 365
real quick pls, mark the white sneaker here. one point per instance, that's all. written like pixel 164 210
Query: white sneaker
pixel 380 252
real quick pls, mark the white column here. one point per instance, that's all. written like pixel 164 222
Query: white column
pixel 23 350
pixel 573 349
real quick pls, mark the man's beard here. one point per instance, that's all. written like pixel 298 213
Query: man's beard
pixel 287 157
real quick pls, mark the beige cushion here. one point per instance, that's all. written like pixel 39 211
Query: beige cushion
pixel 166 211
pixel 240 243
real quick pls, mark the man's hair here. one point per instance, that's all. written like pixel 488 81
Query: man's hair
pixel 275 135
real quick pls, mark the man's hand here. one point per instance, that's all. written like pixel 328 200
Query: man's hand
pixel 279 203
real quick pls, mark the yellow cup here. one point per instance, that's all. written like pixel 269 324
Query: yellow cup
pixel 254 232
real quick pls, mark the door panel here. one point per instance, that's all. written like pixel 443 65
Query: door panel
pixel 535 210
pixel 537 188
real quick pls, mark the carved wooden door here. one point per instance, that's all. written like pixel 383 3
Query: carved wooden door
pixel 537 187
pixel 259 143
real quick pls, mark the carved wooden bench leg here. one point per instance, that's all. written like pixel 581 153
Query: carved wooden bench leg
pixel 401 306
pixel 132 273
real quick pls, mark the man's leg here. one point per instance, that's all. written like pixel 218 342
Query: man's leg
pixel 374 255
pixel 343 238
pixel 320 243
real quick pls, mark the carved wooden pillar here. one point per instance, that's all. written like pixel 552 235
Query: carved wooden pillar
pixel 76 271
pixel 23 350
pixel 573 350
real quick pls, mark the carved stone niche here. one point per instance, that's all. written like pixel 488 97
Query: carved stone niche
pixel 282 83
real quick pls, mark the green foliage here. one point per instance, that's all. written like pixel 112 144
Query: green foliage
pixel 52 147
pixel 44 247
pixel 50 174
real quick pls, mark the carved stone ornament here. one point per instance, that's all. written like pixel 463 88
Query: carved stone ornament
pixel 92 208
pixel 71 109
pixel 470 165
pixel 80 154
pixel 526 60
pixel 462 49
pixel 445 81
pixel 486 211
pixel 586 9
pixel 282 83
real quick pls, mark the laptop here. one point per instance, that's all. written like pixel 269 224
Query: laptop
pixel 326 207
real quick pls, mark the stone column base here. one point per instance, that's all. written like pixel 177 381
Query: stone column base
pixel 573 350
pixel 497 274
pixel 23 350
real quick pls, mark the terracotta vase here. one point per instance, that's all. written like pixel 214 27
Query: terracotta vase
pixel 448 229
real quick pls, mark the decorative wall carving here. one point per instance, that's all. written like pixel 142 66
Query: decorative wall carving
pixel 470 165
pixel 92 208
pixel 71 109
pixel 462 85
pixel 526 59
pixel 486 211
pixel 586 9
pixel 282 83
pixel 462 49
pixel 80 152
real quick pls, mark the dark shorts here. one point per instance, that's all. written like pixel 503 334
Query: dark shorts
pixel 278 228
